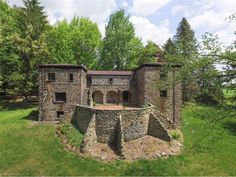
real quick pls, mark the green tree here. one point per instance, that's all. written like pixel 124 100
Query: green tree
pixel 9 61
pixel 31 43
pixel 150 53
pixel 86 42
pixel 116 44
pixel 169 50
pixel 78 41
pixel 60 44
pixel 186 53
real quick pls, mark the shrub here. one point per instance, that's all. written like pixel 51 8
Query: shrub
pixel 73 135
pixel 175 135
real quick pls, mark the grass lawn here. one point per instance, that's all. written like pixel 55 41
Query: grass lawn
pixel 28 148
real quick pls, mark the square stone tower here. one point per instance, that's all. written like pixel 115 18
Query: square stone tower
pixel 61 87
pixel 158 84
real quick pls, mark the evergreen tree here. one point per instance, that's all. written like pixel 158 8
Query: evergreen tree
pixel 187 52
pixel 169 50
pixel 31 41
pixel 32 14
pixel 117 42
pixel 185 41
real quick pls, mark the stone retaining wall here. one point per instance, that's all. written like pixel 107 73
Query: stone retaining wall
pixel 118 126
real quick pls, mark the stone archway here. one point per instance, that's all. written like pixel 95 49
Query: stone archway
pixel 112 97
pixel 97 97
pixel 126 97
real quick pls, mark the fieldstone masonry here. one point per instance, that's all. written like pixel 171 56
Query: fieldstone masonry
pixel 72 91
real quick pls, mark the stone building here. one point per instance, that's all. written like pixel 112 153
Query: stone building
pixel 147 103
pixel 62 87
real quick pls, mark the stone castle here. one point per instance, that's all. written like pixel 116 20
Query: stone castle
pixel 148 101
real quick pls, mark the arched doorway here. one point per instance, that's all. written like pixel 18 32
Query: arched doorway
pixel 126 97
pixel 112 97
pixel 97 97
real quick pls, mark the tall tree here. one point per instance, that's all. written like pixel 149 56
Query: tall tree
pixel 78 41
pixel 186 43
pixel 149 53
pixel 9 61
pixel 32 50
pixel 187 52
pixel 86 42
pixel 169 50
pixel 60 44
pixel 116 44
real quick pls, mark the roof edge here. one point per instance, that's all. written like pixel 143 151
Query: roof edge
pixel 158 64
pixel 63 66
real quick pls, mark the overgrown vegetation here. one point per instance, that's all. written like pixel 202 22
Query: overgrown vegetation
pixel 29 148
pixel 72 134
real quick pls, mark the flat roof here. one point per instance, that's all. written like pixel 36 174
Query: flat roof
pixel 158 64
pixel 111 73
pixel 64 66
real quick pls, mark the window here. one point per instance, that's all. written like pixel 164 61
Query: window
pixel 89 81
pixel 163 93
pixel 60 97
pixel 51 77
pixel 71 77
pixel 111 81
pixel 59 114
pixel 163 75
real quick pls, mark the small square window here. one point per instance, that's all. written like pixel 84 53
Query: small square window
pixel 60 97
pixel 163 93
pixel 111 81
pixel 51 77
pixel 71 77
pixel 59 114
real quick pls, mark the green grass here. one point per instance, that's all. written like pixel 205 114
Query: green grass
pixel 28 148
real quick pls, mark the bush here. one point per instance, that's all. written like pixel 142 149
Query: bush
pixel 175 135
pixel 73 135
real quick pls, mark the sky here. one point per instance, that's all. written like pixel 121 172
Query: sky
pixel 155 20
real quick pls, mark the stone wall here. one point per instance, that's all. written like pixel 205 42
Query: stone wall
pixel 105 80
pixel 149 86
pixel 74 92
pixel 116 127
pixel 153 125
pixel 134 122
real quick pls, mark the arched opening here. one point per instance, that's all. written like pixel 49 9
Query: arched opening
pixel 97 97
pixel 112 97
pixel 126 97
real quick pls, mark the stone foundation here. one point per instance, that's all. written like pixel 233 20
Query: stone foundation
pixel 117 127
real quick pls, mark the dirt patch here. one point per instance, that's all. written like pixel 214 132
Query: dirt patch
pixel 147 147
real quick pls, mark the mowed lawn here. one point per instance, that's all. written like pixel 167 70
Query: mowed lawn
pixel 29 148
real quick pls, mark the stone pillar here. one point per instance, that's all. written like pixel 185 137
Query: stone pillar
pixel 104 97
pixel 119 99
pixel 90 99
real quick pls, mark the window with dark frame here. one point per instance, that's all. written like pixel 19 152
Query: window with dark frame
pixel 60 113
pixel 71 77
pixel 163 93
pixel 60 96
pixel 51 76
pixel 111 81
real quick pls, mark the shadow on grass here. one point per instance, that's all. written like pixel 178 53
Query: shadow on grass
pixel 33 116
pixel 231 126
pixel 6 105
